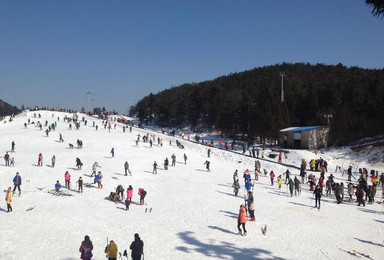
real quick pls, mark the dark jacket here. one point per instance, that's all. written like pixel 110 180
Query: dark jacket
pixel 137 248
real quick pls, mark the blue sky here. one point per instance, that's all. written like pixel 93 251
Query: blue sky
pixel 53 52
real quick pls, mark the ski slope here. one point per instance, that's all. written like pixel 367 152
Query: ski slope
pixel 194 212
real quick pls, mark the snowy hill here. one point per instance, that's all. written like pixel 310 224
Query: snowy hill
pixel 194 212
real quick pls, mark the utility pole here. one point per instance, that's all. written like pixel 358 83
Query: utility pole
pixel 88 93
pixel 282 75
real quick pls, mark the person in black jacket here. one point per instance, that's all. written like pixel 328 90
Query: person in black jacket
pixel 137 247
pixel 317 193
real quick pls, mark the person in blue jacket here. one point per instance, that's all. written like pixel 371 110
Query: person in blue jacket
pixel 17 183
pixel 57 186
pixel 249 185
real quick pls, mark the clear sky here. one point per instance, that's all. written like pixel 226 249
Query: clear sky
pixel 53 52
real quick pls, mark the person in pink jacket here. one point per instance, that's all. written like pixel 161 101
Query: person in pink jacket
pixel 67 178
pixel 241 220
pixel 129 197
pixel 272 176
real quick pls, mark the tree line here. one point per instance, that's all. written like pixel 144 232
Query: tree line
pixel 248 104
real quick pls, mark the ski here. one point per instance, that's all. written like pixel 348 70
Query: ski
pixel 367 256
pixel 351 253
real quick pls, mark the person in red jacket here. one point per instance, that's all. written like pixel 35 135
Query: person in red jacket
pixel 272 176
pixel 241 220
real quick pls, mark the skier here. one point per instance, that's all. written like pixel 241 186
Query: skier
pixel 126 169
pixel 111 250
pixel 209 152
pixel 142 193
pixel 207 163
pixel 80 183
pixel 272 176
pixel 8 199
pixel 137 247
pixel 235 176
pixel 57 186
pixel 185 159
pixel 53 161
pixel 86 249
pixel 13 146
pixel 241 220
pixel 67 178
pixel 338 193
pixel 61 140
pixel 154 168
pixel 94 168
pixel 17 183
pixel 78 163
pixel 317 193
pixel 40 160
pixel 113 152
pixel 6 159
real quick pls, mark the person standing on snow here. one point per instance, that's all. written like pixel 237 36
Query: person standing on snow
pixel 67 178
pixel 86 249
pixel 113 152
pixel 94 168
pixel 13 146
pixel 80 183
pixel 207 163
pixel 241 220
pixel 78 163
pixel 279 181
pixel 185 159
pixel 8 199
pixel 17 183
pixel 53 161
pixel 126 169
pixel 173 160
pixel 129 193
pixel 98 179
pixel 291 185
pixel 154 168
pixel 111 250
pixel 272 176
pixel 6 159
pixel 297 186
pixel 317 193
pixel 137 247
pixel 236 187
pixel 142 193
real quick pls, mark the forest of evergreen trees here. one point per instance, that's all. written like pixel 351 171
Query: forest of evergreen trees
pixel 249 103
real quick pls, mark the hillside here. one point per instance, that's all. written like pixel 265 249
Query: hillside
pixel 249 103
pixel 7 109
pixel 193 213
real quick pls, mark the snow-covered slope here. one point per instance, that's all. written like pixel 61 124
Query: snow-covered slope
pixel 194 212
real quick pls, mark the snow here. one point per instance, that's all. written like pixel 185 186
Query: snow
pixel 194 212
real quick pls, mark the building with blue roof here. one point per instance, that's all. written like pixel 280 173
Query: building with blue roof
pixel 304 137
